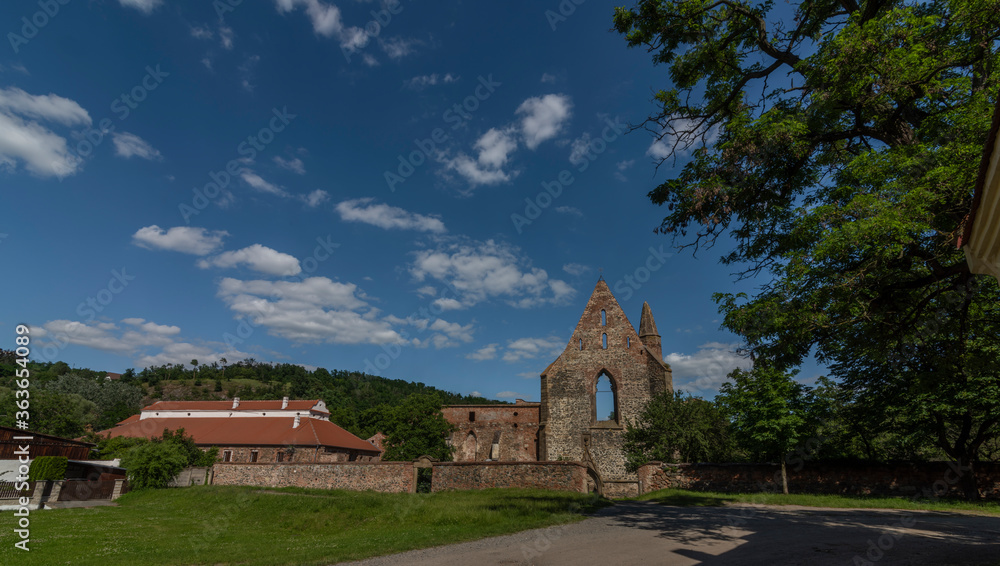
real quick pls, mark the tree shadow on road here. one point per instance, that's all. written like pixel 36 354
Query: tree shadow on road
pixel 751 534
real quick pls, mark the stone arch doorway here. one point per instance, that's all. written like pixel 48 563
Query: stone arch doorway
pixel 594 483
pixel 467 452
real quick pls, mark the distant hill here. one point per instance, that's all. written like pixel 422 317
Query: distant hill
pixel 348 395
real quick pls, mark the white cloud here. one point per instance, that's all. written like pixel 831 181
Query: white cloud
pixel 144 6
pixel 315 198
pixel 185 239
pixel 679 136
pixel 201 32
pixel 529 374
pixel 547 78
pixel 706 369
pixel 623 165
pixel 478 271
pixel 474 172
pixel 423 81
pixel 488 352
pixel 444 334
pixel 495 147
pixel 579 149
pixel 257 257
pixel 448 304
pixel 575 269
pixel 24 139
pixel 184 352
pixel 257 182
pixel 542 118
pixel 226 37
pixel 570 210
pixel 397 47
pixel 387 217
pixel 313 310
pixel 427 291
pixel 50 107
pixel 326 21
pixel 531 348
pixel 294 165
pixel 130 145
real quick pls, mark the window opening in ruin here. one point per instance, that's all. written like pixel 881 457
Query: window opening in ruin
pixel 472 416
pixel 604 399
pixel 253 455
pixel 281 455
pixel 604 318
pixel 628 341
pixel 227 455
pixel 604 341
pixel 581 343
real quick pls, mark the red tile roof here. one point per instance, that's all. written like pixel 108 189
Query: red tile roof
pixel 271 405
pixel 244 431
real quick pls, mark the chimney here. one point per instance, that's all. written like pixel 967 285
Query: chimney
pixel 297 421
pixel 284 402
pixel 648 333
pixel 236 402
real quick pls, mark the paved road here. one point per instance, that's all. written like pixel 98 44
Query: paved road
pixel 744 535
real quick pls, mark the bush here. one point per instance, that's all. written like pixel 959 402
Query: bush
pixel 47 468
pixel 153 465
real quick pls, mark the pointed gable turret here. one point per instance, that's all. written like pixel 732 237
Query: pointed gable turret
pixel 647 332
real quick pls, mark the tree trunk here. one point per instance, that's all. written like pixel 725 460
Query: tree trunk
pixel 784 478
pixel 970 488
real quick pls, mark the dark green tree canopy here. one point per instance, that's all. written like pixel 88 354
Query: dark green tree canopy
pixel 837 143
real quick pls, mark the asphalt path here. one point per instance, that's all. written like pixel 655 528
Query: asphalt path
pixel 739 535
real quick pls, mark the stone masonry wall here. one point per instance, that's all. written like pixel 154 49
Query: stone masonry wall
pixel 515 427
pixel 895 479
pixel 561 476
pixel 388 477
pixel 269 454
pixel 570 429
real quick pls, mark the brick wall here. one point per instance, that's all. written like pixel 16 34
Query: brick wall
pixel 561 476
pixel 514 428
pixel 303 454
pixel 899 479
pixel 388 477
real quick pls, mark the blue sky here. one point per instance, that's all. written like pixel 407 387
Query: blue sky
pixel 430 198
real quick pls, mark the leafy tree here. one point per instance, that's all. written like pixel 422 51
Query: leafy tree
pixel 414 428
pixel 60 414
pixel 676 427
pixel 154 464
pixel 769 413
pixel 836 142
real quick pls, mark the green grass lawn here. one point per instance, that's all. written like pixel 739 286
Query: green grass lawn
pixel 241 525
pixel 686 498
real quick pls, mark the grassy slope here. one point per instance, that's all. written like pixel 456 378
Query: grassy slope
pixel 235 525
pixel 685 498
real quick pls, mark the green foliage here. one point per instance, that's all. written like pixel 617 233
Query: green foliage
pixel 116 447
pixel 769 411
pixel 48 468
pixel 676 427
pixel 53 413
pixel 838 149
pixel 414 428
pixel 154 464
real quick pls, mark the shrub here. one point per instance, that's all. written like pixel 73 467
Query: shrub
pixel 153 465
pixel 47 468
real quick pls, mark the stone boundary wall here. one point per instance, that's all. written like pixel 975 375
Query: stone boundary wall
pixel 561 476
pixel 891 479
pixel 387 477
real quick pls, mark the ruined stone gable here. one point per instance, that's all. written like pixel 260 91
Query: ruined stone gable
pixel 604 343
